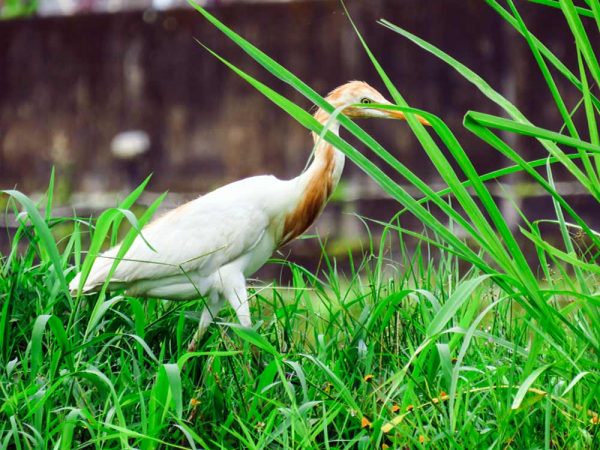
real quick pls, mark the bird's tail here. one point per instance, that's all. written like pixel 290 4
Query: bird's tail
pixel 74 286
pixel 95 278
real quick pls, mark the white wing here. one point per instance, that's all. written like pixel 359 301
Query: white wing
pixel 200 236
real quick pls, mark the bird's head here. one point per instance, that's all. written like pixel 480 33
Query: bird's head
pixel 360 93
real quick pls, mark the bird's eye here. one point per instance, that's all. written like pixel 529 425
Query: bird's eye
pixel 366 101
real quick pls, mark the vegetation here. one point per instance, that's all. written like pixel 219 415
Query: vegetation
pixel 11 9
pixel 477 347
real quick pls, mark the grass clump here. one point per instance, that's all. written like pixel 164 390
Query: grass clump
pixel 477 347
pixel 421 357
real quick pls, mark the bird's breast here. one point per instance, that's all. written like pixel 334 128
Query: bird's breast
pixel 257 256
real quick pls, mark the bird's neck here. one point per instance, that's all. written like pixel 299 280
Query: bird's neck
pixel 328 161
pixel 316 183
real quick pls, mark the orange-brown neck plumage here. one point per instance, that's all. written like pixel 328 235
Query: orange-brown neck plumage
pixel 316 183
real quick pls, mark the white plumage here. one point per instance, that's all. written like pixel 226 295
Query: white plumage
pixel 209 246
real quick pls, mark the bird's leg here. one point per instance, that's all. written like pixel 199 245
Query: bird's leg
pixel 213 304
pixel 237 296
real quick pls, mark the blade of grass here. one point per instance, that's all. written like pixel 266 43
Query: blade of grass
pixel 590 117
pixel 545 72
pixel 581 38
pixel 46 238
pixel 480 124
pixel 556 62
pixel 556 4
pixel 492 244
pixel 526 385
pixel 481 84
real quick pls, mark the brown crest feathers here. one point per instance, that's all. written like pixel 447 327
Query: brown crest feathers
pixel 338 91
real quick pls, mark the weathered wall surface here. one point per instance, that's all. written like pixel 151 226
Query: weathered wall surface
pixel 68 85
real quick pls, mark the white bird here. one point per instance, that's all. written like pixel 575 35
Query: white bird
pixel 208 247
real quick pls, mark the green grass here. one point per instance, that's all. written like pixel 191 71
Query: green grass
pixel 448 356
pixel 459 343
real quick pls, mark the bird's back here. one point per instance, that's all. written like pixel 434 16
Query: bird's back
pixel 199 236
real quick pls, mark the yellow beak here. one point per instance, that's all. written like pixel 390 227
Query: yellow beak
pixel 401 116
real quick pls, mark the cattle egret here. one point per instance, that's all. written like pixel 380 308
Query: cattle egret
pixel 208 247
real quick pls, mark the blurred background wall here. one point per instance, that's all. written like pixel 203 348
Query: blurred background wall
pixel 78 73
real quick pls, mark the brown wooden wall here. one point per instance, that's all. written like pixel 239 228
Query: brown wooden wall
pixel 69 84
